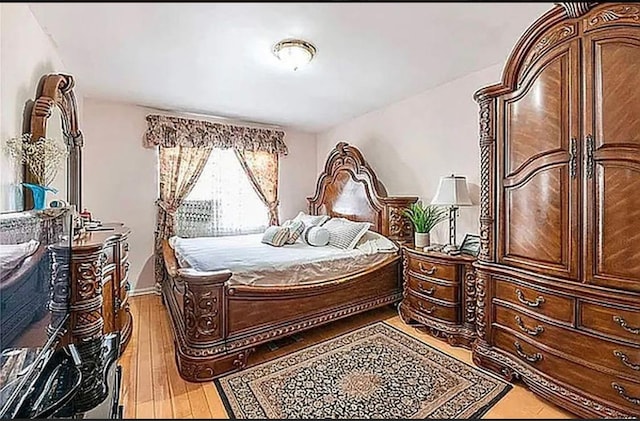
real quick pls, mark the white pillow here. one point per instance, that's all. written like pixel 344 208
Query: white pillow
pixel 311 220
pixel 345 234
pixel 315 236
pixel 12 255
pixel 372 242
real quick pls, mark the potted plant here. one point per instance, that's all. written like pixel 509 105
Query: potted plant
pixel 424 218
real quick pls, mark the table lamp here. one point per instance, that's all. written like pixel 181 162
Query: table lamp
pixel 452 192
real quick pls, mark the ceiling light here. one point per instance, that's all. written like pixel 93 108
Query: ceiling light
pixel 294 53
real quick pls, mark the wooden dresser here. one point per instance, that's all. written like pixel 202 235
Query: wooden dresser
pixel 558 275
pixel 99 285
pixel 439 294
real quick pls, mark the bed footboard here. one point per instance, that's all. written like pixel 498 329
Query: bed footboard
pixel 217 325
pixel 196 304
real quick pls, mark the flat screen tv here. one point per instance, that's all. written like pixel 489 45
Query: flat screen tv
pixel 34 292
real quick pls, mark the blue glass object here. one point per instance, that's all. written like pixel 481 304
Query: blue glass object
pixel 39 193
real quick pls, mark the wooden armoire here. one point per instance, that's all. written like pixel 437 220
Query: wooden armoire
pixel 558 276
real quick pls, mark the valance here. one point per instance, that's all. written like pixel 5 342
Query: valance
pixel 170 132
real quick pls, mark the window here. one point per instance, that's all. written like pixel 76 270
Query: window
pixel 223 201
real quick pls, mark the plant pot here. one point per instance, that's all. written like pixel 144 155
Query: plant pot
pixel 422 239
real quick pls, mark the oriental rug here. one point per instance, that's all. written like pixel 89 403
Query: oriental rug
pixel 376 371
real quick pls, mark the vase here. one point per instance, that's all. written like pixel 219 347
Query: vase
pixel 39 194
pixel 422 239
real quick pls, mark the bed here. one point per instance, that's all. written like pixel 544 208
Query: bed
pixel 218 319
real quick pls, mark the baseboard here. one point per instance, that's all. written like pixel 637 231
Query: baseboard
pixel 143 291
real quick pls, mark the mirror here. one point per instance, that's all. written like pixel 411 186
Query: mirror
pixel 54 130
pixel 57 166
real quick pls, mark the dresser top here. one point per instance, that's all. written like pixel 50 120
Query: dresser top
pixel 91 239
pixel 460 258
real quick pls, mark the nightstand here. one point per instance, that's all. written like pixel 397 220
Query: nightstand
pixel 439 294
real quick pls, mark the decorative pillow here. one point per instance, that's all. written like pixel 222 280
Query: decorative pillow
pixel 295 229
pixel 315 236
pixel 276 236
pixel 311 220
pixel 345 234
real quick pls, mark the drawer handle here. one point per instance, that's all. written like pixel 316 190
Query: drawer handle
pixel 625 360
pixel 125 246
pixel 539 299
pixel 623 393
pixel 623 323
pixel 426 310
pixel 531 358
pixel 533 332
pixel 430 271
pixel 426 291
pixel 127 286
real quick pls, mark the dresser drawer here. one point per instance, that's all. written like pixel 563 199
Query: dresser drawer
pixel 424 266
pixel 433 308
pixel 428 288
pixel 612 321
pixel 528 297
pixel 607 387
pixel 620 358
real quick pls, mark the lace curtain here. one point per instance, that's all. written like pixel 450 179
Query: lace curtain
pixel 222 202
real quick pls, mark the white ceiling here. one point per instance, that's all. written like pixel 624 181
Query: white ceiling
pixel 216 58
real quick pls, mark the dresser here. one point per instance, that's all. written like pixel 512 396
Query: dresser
pixel 95 302
pixel 98 297
pixel 439 294
pixel 558 275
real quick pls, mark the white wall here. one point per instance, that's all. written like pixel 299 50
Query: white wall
pixel 120 176
pixel 413 142
pixel 297 173
pixel 26 53
pixel 119 181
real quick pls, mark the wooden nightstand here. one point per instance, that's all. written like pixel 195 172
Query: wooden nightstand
pixel 439 294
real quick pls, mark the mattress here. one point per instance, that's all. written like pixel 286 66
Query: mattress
pixel 256 264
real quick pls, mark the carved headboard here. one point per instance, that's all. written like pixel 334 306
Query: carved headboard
pixel 349 188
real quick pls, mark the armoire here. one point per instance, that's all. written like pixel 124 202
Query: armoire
pixel 558 275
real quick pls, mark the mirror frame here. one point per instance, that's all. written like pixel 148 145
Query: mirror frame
pixel 56 90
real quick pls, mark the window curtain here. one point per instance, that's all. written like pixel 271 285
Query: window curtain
pixel 185 145
pixel 180 168
pixel 261 168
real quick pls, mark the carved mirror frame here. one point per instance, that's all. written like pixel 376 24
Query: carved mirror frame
pixel 56 90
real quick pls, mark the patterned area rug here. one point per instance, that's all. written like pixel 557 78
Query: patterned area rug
pixel 374 372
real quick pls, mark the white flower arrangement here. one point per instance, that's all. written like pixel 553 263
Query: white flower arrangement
pixel 44 156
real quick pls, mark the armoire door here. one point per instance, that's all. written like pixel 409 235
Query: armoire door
pixel 539 167
pixel 612 158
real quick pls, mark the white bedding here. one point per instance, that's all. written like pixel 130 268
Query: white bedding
pixel 254 263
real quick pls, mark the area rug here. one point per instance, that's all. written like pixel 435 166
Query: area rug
pixel 374 372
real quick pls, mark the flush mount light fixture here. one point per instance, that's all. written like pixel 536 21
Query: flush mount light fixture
pixel 294 53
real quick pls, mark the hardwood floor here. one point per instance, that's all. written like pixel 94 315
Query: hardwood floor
pixel 152 387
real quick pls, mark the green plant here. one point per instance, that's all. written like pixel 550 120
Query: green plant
pixel 424 218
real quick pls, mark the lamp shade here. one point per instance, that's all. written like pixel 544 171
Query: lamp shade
pixel 452 191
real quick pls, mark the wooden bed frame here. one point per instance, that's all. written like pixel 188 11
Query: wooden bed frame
pixel 217 325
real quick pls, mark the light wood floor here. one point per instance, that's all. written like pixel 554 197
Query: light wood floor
pixel 152 387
